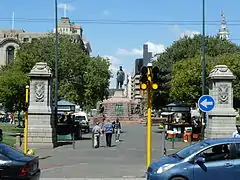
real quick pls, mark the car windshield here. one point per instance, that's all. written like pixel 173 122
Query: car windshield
pixel 184 153
pixel 80 118
pixel 10 152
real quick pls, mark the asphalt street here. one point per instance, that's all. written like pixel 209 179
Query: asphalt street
pixel 126 159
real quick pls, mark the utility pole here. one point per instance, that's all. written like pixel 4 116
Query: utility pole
pixel 203 63
pixel 56 62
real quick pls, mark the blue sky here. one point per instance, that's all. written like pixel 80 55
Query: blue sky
pixel 123 43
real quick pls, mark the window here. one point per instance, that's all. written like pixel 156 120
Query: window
pixel 10 54
pixel 235 151
pixel 184 153
pixel 216 153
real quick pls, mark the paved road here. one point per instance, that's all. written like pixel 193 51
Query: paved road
pixel 126 159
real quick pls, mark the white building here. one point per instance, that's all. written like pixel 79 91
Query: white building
pixel 223 31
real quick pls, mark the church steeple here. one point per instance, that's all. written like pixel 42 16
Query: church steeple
pixel 223 31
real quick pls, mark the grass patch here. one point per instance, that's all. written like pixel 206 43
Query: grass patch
pixel 11 129
pixel 9 140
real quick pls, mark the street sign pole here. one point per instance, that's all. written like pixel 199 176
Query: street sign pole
pixel 149 119
pixel 206 104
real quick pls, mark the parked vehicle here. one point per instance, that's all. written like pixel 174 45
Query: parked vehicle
pixel 210 159
pixel 82 118
pixel 16 165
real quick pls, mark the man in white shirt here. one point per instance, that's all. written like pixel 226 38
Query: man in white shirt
pixel 236 134
pixel 96 135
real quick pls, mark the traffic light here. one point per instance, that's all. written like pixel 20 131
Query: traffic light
pixel 165 78
pixel 144 78
pixel 155 78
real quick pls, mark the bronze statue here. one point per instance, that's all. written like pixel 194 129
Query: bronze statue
pixel 120 77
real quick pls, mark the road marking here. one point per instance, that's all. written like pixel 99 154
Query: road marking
pixel 62 166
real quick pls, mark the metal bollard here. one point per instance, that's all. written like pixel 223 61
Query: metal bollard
pixel 93 140
pixel 173 142
pixel 190 140
pixel 73 138
pixel 18 139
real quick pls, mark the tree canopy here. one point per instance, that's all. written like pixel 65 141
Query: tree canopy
pixel 186 82
pixel 80 76
pixel 184 57
pixel 189 47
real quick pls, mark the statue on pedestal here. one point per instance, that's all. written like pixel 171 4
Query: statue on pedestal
pixel 120 78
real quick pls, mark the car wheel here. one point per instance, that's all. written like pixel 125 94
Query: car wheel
pixel 178 178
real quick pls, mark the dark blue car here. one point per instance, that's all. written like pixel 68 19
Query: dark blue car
pixel 211 159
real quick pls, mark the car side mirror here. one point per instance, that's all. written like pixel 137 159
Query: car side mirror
pixel 200 160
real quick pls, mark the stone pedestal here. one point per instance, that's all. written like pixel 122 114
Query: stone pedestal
pixel 41 127
pixel 221 121
pixel 117 106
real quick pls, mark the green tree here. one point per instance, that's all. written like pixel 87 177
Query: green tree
pixel 12 88
pixel 74 64
pixel 188 47
pixel 186 82
pixel 97 80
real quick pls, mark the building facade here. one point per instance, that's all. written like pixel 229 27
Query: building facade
pixel 10 39
pixel 136 91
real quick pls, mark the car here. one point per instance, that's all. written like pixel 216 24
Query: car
pixel 82 118
pixel 207 160
pixel 15 165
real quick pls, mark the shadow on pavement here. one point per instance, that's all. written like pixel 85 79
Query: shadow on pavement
pixel 85 138
pixel 46 157
pixel 63 144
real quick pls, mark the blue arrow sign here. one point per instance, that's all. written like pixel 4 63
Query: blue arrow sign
pixel 206 103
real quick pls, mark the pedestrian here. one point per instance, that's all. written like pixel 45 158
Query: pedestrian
pixel 117 129
pixel 236 134
pixel 12 118
pixel 96 135
pixel 108 130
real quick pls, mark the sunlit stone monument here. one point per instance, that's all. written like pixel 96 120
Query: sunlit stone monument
pixel 41 123
pixel 221 120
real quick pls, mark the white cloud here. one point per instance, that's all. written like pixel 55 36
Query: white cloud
pixel 67 6
pixel 106 13
pixel 183 32
pixel 154 48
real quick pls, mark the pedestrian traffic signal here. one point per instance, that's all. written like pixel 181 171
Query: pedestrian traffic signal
pixel 144 78
pixel 164 79
pixel 155 78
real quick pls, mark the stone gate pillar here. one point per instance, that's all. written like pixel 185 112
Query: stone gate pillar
pixel 221 120
pixel 41 128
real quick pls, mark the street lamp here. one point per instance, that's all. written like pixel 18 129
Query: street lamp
pixel 56 61
pixel 203 62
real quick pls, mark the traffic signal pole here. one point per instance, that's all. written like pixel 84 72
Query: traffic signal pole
pixel 152 79
pixel 149 118
pixel 26 122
